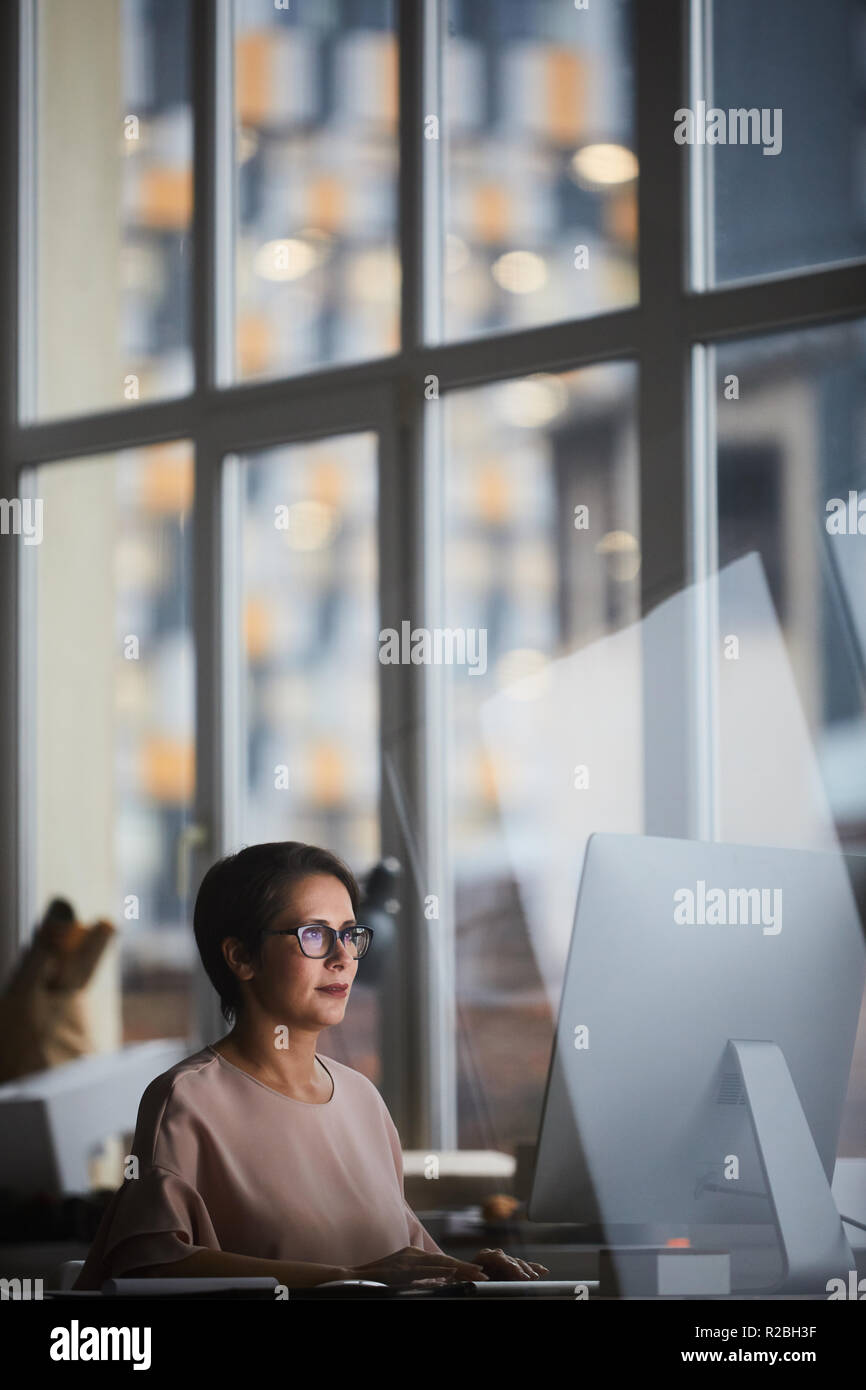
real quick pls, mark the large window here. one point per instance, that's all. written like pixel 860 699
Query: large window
pixel 309 622
pixel 541 205
pixel 789 460
pixel 804 202
pixel 113 721
pixel 316 260
pixel 111 210
pixel 338 318
pixel 525 461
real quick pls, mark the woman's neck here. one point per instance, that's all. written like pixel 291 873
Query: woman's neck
pixel 257 1050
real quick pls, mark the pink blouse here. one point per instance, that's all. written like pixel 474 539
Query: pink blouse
pixel 228 1163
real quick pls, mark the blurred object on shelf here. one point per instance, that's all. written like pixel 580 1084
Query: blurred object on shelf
pixel 499 1207
pixel 43 1022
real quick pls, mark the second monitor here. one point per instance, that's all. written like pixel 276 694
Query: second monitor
pixel 703 1048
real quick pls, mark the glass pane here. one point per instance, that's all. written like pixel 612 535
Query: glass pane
pixel 114 725
pixel 542 561
pixel 311 696
pixel 788 123
pixel 113 207
pixel 318 275
pixel 541 173
pixel 792 488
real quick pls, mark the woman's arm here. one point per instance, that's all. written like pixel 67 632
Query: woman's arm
pixel 206 1264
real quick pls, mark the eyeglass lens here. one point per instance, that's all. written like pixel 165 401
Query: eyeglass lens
pixel 319 941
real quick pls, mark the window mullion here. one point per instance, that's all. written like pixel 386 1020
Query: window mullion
pixel 417 762
pixel 215 578
pixel 208 102
pixel 12 18
pixel 664 365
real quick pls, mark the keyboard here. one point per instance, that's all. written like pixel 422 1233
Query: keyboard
pixel 532 1288
pixel 482 1288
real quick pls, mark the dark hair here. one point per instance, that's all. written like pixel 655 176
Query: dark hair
pixel 243 893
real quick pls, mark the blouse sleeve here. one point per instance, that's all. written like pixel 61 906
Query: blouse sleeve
pixel 417 1233
pixel 153 1219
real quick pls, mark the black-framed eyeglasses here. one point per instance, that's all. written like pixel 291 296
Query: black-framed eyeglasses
pixel 318 942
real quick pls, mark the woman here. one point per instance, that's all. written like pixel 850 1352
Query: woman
pixel 257 1156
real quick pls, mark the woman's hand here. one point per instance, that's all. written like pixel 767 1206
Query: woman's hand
pixel 497 1265
pixel 411 1263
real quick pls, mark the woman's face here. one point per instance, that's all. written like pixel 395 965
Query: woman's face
pixel 300 990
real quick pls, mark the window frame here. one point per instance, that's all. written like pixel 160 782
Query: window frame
pixel 666 334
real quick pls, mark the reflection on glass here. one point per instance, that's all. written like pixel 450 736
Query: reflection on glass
pixel 114 721
pixel 541 172
pixel 318 276
pixel 310 702
pixel 797 71
pixel 113 204
pixel 543 556
pixel 792 486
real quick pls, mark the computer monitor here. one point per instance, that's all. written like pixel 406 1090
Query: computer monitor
pixel 702 1053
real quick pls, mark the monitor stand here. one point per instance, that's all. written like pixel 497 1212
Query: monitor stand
pixel 812 1240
